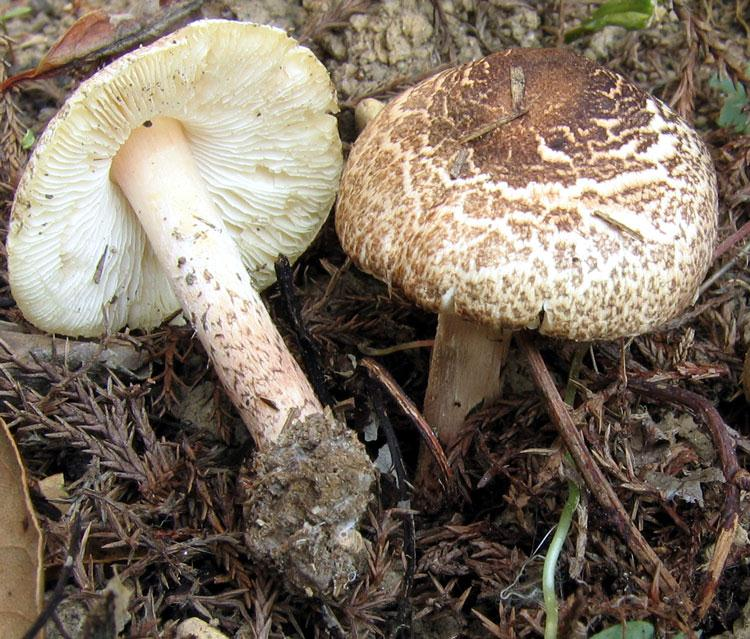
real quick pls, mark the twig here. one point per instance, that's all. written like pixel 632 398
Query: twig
pixel 389 350
pixel 336 17
pixel 395 391
pixel 618 224
pixel 442 34
pixel 336 275
pixel 719 273
pixel 495 124
pixel 735 238
pixel 593 476
pixel 392 87
pixel 518 108
pixel 308 348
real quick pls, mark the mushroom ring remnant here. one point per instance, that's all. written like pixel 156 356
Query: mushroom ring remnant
pixel 173 178
pixel 530 189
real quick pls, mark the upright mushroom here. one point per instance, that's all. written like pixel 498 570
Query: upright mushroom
pixel 529 189
pixel 173 178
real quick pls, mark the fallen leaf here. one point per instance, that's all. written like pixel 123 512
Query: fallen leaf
pixel 29 349
pixel 89 33
pixel 98 35
pixel 687 488
pixel 20 545
pixel 686 428
pixel 121 595
pixel 108 614
pixel 696 434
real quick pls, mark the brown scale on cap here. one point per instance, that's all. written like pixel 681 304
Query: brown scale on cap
pixel 594 209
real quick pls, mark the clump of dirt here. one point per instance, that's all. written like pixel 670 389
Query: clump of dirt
pixel 401 39
pixel 304 498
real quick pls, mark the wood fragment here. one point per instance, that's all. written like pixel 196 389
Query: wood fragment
pixel 730 521
pixel 488 128
pixel 458 163
pixel 517 89
pixel 395 391
pixel 618 224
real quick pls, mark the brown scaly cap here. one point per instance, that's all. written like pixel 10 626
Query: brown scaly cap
pixel 591 216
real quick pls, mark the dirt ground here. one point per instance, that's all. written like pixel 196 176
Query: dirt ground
pixel 151 452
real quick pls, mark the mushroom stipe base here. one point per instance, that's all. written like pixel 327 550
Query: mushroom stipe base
pixel 303 498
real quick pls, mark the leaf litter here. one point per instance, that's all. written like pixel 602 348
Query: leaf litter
pixel 150 497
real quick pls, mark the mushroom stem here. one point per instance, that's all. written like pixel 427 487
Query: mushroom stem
pixel 158 175
pixel 464 371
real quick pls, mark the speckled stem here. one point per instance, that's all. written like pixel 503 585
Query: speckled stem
pixel 156 171
pixel 464 370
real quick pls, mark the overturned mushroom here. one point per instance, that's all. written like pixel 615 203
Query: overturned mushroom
pixel 529 189
pixel 172 179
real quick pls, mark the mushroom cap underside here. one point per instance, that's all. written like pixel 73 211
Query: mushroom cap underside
pixel 567 200
pixel 256 109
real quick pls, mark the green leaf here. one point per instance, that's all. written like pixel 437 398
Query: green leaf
pixel 735 112
pixel 628 14
pixel 635 630
pixel 631 630
pixel 16 12
pixel 28 139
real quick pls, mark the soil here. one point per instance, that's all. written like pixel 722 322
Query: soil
pixel 154 458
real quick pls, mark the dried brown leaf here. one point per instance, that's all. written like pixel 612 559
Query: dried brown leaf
pixel 98 35
pixel 89 33
pixel 20 545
